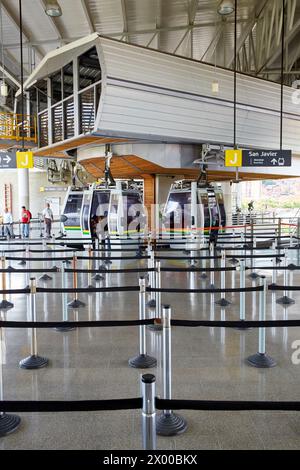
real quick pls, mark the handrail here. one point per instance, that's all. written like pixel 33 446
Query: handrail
pixel 11 127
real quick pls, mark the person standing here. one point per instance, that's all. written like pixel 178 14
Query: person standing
pixel 25 219
pixel 48 219
pixel 8 221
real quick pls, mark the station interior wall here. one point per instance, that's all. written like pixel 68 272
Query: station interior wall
pixel 37 179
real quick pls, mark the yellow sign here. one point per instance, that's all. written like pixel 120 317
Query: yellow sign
pixel 24 159
pixel 233 157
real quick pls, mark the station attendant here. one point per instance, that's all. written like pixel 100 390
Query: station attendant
pixel 48 219
pixel 25 219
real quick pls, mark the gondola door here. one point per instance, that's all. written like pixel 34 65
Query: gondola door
pixel 85 216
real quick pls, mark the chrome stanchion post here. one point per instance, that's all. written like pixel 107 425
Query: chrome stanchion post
pixel 285 299
pixel 64 304
pixel 168 423
pixel 8 423
pixel 223 302
pixel 76 303
pixel 98 277
pixel 143 360
pixel 242 294
pixel 212 264
pixel 90 266
pixel 34 361
pixel 45 277
pixel 274 271
pixel 157 325
pixel 253 275
pixel 151 264
pixel 4 304
pixel 148 412
pixel 261 359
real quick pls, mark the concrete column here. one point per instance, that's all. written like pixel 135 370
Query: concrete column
pixel 23 187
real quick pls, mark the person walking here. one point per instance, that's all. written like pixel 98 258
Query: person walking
pixel 25 220
pixel 48 219
pixel 8 221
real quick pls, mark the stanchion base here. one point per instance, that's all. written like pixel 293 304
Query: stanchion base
pixel 67 261
pixel 253 276
pixel 10 268
pixel 203 276
pixel 76 304
pixel 33 362
pixel 108 261
pixel 5 305
pixel 261 361
pixel 22 263
pixel 98 277
pixel 156 327
pixel 45 278
pixel 8 424
pixel 223 302
pixel 143 361
pixel 151 303
pixel 55 267
pixel 285 300
pixel 90 286
pixel 170 424
pixel 65 328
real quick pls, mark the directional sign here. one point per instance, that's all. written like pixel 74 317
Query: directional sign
pixel 258 158
pixel 24 159
pixel 267 158
pixel 8 159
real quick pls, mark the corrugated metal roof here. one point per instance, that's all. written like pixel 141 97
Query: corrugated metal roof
pixel 162 23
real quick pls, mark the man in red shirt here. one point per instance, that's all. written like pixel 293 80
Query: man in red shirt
pixel 25 219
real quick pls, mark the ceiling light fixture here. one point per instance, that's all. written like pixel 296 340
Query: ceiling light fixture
pixel 226 7
pixel 53 8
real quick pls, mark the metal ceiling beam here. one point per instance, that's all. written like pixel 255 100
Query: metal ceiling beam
pixel 9 76
pixel 88 16
pixel 119 34
pixel 15 22
pixel 125 22
pixel 257 11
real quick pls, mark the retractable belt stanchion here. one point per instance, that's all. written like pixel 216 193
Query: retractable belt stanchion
pixel 64 306
pixel 223 302
pixel 143 360
pixel 98 277
pixel 34 361
pixel 203 275
pixel 23 262
pixel 285 299
pixel 261 359
pixel 242 294
pixel 76 303
pixel 8 423
pixel 4 304
pixel 90 266
pixel 151 264
pixel 274 271
pixel 148 412
pixel 157 326
pixel 212 264
pixel 168 423
pixel 253 275
pixel 53 252
pixel 45 277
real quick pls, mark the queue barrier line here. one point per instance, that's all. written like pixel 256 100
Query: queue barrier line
pixel 76 324
pixel 71 406
pixel 205 291
pixel 151 321
pixel 285 288
pixel 21 406
pixel 226 405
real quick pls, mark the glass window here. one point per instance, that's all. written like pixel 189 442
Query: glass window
pixel 89 68
pixel 203 198
pixel 68 80
pixel 56 87
pixel 178 210
pixel 72 210
pixel 42 97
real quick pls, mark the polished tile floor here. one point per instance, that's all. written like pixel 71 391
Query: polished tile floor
pixel 208 363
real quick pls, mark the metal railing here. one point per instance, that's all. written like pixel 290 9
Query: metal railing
pixel 18 127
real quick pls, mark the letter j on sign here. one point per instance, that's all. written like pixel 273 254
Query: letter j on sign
pixel 233 157
pixel 24 159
